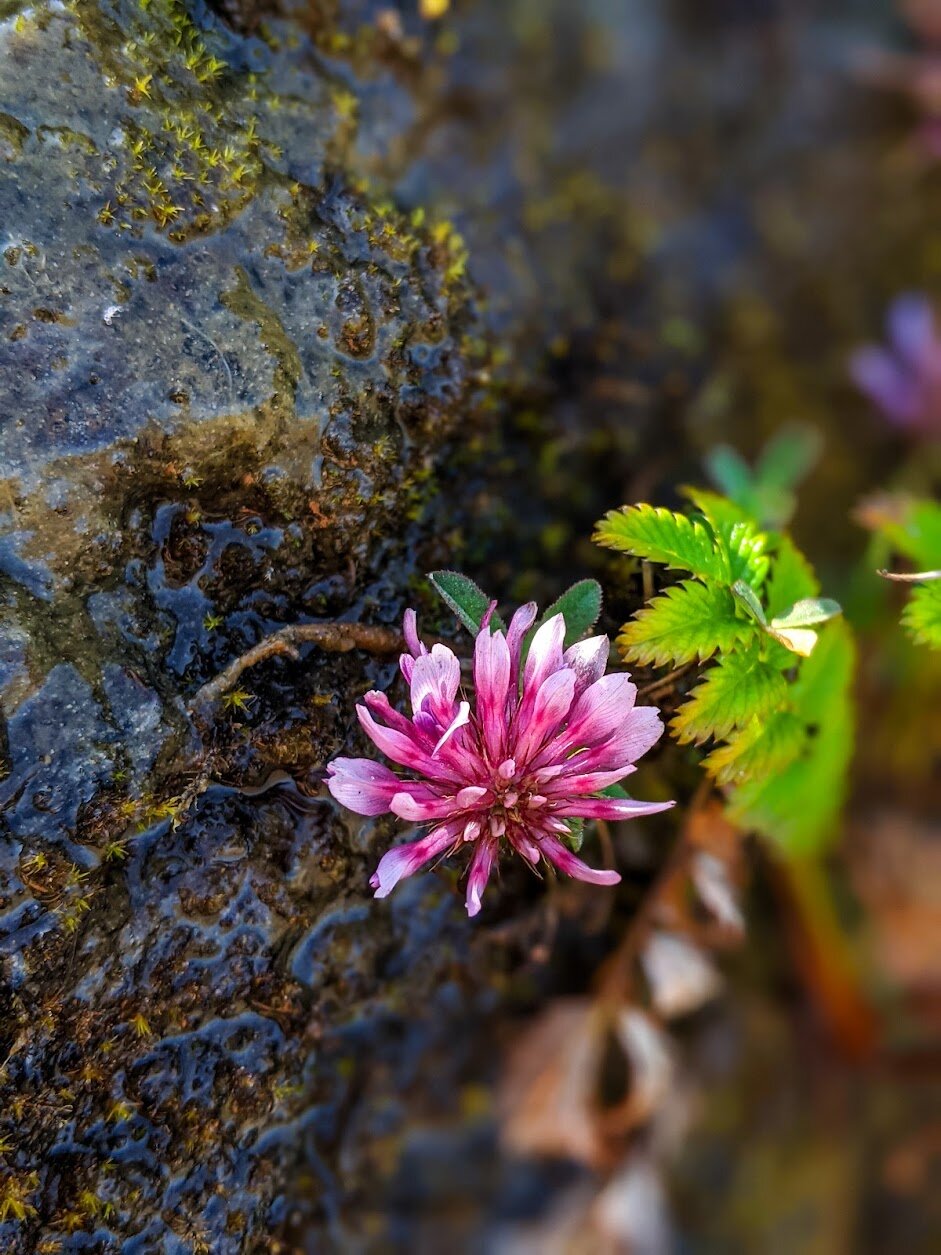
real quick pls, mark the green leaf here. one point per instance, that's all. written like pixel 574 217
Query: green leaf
pixel 719 511
pixel 788 457
pixel 807 611
pixel 576 833
pixel 615 790
pixel 922 615
pixel 824 679
pixel 661 535
pixel 739 688
pixel 729 471
pixel 748 600
pixel 736 533
pixel 799 805
pixel 687 622
pixel 766 494
pixel 581 606
pixel 746 547
pixel 912 527
pixel 761 748
pixel 462 595
pixel 792 577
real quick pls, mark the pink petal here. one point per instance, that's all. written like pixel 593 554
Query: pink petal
pixel 551 705
pixel 404 748
pixel 420 804
pixel 544 659
pixel 471 795
pixel 380 706
pixel 460 719
pixel 545 653
pixel 608 808
pixel 641 731
pixel 602 708
pixel 362 785
pixel 523 845
pixel 410 632
pixel 485 854
pixel 584 783
pixel 520 624
pixel 492 683
pixel 405 860
pixel 567 862
pixel 588 660
pixel 436 678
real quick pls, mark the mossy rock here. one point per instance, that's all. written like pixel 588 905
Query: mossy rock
pixel 229 373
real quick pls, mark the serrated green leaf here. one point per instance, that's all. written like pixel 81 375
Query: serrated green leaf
pixel 798 806
pixel 687 622
pixel 807 611
pixel 761 748
pixel 580 605
pixel 792 577
pixel 736 533
pixel 922 615
pixel 661 535
pixel 746 548
pixel 718 510
pixel 463 596
pixel 739 688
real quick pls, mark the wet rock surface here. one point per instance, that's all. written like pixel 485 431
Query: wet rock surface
pixel 229 372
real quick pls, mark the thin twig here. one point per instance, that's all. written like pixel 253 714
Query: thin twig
pixel 646 571
pixel 337 638
pixel 665 683
pixel 910 577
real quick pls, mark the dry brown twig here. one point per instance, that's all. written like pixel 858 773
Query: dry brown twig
pixel 337 638
pixel 666 683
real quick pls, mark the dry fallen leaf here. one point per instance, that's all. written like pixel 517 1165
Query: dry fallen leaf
pixel 548 1096
pixel 551 1097
pixel 680 976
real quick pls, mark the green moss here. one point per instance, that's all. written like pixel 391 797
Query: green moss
pixel 13 132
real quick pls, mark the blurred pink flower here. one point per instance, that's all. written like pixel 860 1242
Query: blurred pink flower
pixel 544 738
pixel 903 378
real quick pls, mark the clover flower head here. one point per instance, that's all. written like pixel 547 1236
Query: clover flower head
pixel 541 741
pixel 903 377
